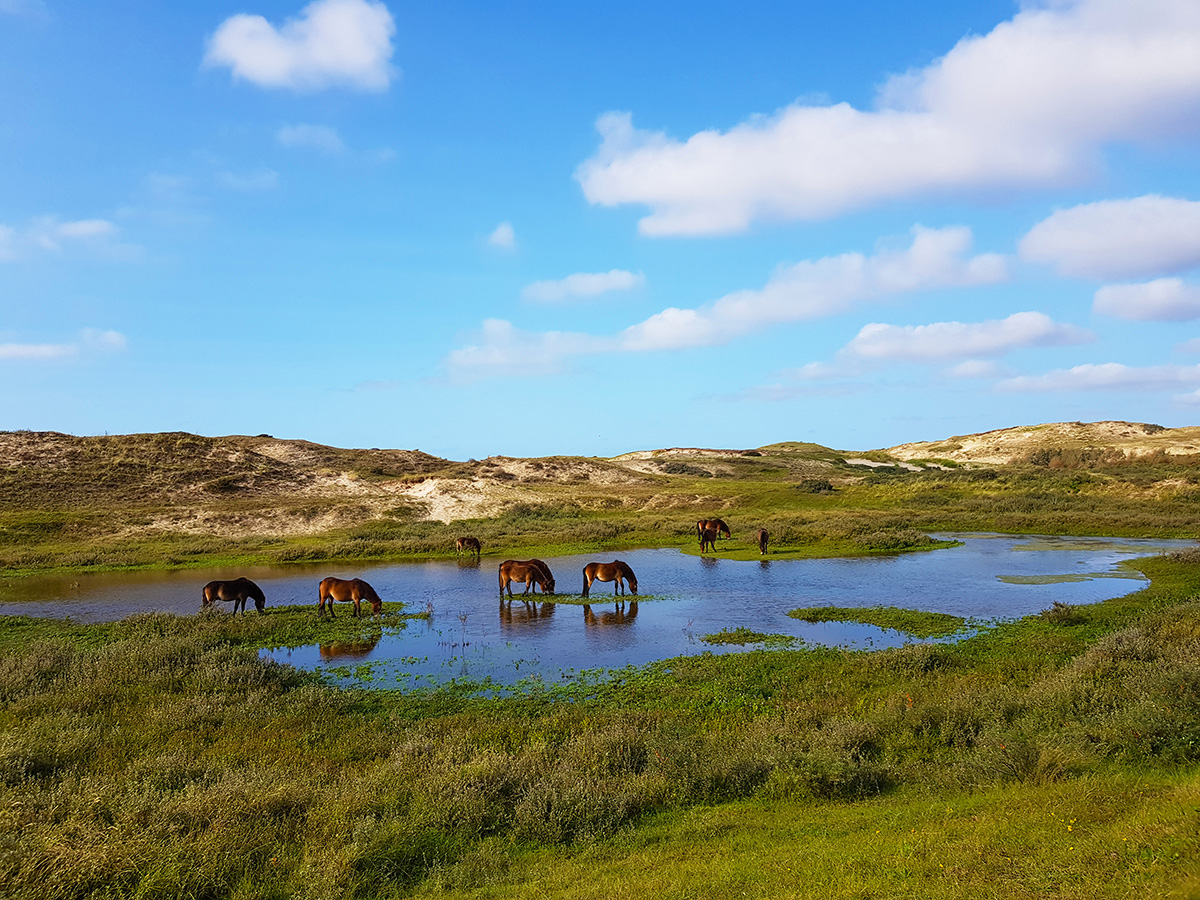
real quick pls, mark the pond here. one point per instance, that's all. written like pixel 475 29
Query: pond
pixel 471 636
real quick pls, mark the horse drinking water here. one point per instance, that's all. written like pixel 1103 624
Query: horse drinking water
pixel 616 571
pixel 354 589
pixel 238 590
pixel 530 571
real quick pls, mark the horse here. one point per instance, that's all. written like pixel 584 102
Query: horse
pixel 237 590
pixel 716 525
pixel 468 544
pixel 761 537
pixel 616 571
pixel 616 617
pixel 708 539
pixel 531 571
pixel 346 590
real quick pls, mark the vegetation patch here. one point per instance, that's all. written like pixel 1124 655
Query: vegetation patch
pixel 918 623
pixel 742 636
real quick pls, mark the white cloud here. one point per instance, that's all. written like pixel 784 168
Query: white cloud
pixel 975 368
pixel 313 137
pixel 503 237
pixel 31 8
pixel 90 339
pixel 49 234
pixel 936 258
pixel 1029 104
pixel 333 43
pixel 1144 236
pixel 502 349
pixel 582 284
pixel 1107 376
pixel 1162 300
pixel 944 341
pixel 262 180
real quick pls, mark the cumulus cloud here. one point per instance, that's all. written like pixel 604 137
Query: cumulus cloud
pixel 502 349
pixel 1144 236
pixel 333 43
pixel 935 258
pixel 945 341
pixel 503 237
pixel 50 234
pixel 1032 103
pixel 1106 376
pixel 262 180
pixel 89 339
pixel 1162 300
pixel 312 137
pixel 582 284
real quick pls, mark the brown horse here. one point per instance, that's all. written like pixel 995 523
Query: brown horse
pixel 354 589
pixel 716 525
pixel 617 572
pixel 708 539
pixel 761 537
pixel 468 545
pixel 530 571
pixel 238 590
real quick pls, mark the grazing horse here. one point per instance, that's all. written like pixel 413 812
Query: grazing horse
pixel 617 572
pixel 708 539
pixel 716 525
pixel 468 545
pixel 340 589
pixel 761 537
pixel 237 590
pixel 530 571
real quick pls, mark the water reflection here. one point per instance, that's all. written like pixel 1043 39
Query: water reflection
pixel 524 615
pixel 620 616
pixel 348 649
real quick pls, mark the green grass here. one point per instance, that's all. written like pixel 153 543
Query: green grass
pixel 918 623
pixel 741 636
pixel 1046 757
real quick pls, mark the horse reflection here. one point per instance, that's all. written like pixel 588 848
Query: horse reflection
pixel 347 649
pixel 524 616
pixel 621 617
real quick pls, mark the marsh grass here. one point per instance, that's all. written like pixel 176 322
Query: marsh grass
pixel 741 636
pixel 164 756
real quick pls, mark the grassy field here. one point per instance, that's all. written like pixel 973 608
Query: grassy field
pixel 1056 756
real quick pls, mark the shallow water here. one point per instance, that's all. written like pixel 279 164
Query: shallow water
pixel 472 636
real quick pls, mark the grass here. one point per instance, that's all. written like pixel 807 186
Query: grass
pixel 163 756
pixel 918 623
pixel 741 636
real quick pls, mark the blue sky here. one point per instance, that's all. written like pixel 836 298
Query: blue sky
pixel 537 228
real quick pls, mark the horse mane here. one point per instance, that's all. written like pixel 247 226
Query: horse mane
pixel 368 592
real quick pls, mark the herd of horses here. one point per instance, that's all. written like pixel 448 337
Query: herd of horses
pixel 533 573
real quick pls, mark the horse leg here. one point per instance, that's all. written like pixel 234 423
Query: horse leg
pixel 587 584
